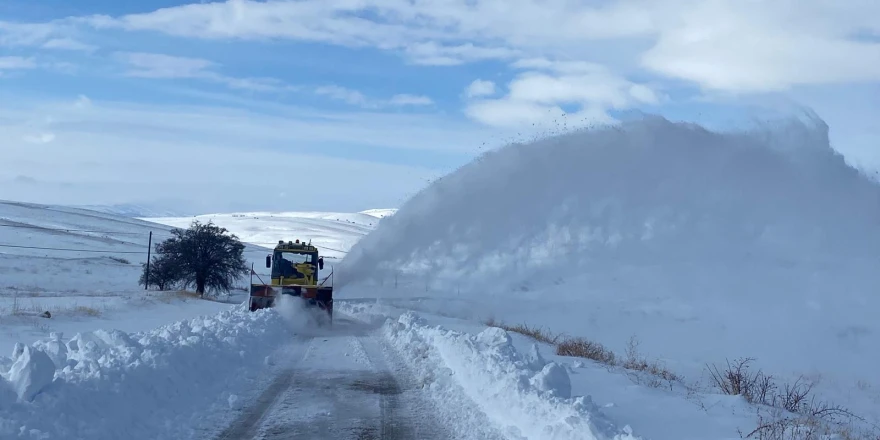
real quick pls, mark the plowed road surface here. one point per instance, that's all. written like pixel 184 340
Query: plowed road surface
pixel 340 385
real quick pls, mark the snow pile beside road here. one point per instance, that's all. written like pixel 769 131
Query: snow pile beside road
pixel 164 383
pixel 524 395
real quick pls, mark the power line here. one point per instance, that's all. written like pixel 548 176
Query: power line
pixel 71 250
pixel 317 246
pixel 42 228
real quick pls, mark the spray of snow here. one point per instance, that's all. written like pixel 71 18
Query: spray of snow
pixel 649 191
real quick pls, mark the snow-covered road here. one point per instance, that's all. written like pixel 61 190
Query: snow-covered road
pixel 342 383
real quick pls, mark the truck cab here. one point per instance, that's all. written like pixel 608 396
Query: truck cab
pixel 295 264
pixel 296 270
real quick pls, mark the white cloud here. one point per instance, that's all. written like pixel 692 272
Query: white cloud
pixel 721 44
pixel 339 93
pixel 153 65
pixel 25 34
pixel 41 138
pixel 734 46
pixel 68 44
pixel 11 63
pixel 415 100
pixel 537 96
pixel 82 102
pixel 357 98
pixel 434 54
pixel 479 88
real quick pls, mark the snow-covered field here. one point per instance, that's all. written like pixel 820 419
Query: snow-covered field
pixel 334 233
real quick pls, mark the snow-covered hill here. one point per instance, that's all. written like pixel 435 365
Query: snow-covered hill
pixel 83 267
pixel 334 233
pixel 704 246
pixel 132 210
pixel 381 213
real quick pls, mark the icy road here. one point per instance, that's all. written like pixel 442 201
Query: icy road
pixel 344 384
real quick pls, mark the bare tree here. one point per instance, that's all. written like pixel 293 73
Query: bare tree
pixel 163 274
pixel 205 256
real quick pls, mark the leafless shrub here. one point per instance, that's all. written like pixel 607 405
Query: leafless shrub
pixel 794 396
pixel 795 415
pixel 89 311
pixel 581 347
pixel 738 380
pixel 778 427
pixel 535 333
pixel 635 361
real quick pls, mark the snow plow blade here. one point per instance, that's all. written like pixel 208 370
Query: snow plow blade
pixel 264 296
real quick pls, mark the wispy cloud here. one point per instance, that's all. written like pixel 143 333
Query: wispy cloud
pixel 538 94
pixel 154 65
pixel 68 44
pixel 26 34
pixel 357 98
pixel 405 99
pixel 42 138
pixel 480 88
pixel 434 54
pixel 12 63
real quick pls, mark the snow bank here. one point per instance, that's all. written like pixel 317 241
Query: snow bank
pixel 526 396
pixel 157 384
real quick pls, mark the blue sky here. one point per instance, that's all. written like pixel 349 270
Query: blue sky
pixel 210 106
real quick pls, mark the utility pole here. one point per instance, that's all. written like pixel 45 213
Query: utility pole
pixel 149 248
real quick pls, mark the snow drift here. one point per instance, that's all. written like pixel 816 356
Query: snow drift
pixel 158 384
pixel 704 245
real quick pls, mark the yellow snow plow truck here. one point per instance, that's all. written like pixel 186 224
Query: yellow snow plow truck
pixel 295 271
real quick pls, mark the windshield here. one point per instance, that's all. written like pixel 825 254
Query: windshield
pixel 296 257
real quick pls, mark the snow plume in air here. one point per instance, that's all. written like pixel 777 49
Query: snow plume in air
pixel 294 312
pixel 300 317
pixel 647 191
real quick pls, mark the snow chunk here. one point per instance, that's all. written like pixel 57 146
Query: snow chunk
pixel 553 378
pixel 494 337
pixel 233 402
pixel 54 348
pixel 32 371
pixel 534 358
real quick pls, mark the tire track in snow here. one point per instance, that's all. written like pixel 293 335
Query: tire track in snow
pixel 349 385
pixel 389 391
pixel 246 425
